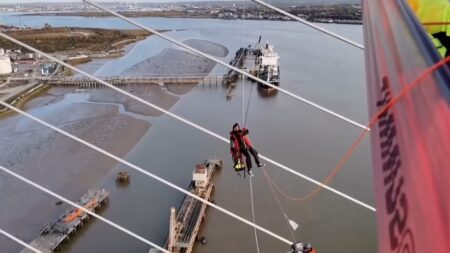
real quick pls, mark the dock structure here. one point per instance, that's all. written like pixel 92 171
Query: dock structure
pixel 237 63
pixel 184 226
pixel 53 235
pixel 160 80
pixel 232 75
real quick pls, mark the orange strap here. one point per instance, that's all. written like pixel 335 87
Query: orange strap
pixel 358 141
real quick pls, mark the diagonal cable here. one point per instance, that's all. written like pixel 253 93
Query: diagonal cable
pixel 316 27
pixel 175 116
pixel 157 178
pixel 198 52
pixel 132 234
pixel 12 237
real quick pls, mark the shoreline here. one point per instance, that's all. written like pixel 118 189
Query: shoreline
pixel 99 116
pixel 27 95
pixel 21 99
pixel 74 168
pixel 89 15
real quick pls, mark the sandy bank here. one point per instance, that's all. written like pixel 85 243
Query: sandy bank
pixel 208 47
pixel 70 168
pixel 57 162
pixel 167 62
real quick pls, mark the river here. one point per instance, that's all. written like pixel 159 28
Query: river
pixel 315 66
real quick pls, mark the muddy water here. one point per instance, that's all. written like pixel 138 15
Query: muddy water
pixel 309 141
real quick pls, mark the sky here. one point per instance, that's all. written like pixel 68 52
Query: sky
pixel 60 1
pixel 158 1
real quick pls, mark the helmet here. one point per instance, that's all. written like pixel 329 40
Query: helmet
pixel 307 248
pixel 297 247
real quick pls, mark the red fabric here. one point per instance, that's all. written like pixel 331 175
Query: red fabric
pixel 247 141
pixel 411 141
pixel 245 137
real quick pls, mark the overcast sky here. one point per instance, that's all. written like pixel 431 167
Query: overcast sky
pixel 159 1
pixel 59 1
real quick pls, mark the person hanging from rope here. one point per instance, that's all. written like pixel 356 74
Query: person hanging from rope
pixel 437 12
pixel 300 247
pixel 240 145
pixel 239 151
pixel 250 147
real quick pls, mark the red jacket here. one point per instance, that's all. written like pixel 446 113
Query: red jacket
pixel 245 137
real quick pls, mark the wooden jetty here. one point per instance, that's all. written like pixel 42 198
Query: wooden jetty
pixel 184 226
pixel 53 235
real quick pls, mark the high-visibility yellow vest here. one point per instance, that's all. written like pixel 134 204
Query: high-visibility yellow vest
pixel 432 11
pixel 437 43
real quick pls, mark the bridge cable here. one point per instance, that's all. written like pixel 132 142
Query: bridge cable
pixel 316 27
pixel 199 53
pixel 12 237
pixel 407 88
pixel 51 193
pixel 135 167
pixel 175 116
pixel 390 104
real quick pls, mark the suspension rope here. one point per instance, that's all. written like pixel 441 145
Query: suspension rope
pixel 316 27
pixel 12 237
pixel 286 218
pixel 253 214
pixel 199 53
pixel 374 120
pixel 243 77
pixel 244 121
pixel 139 169
pixel 248 104
pixel 51 193
pixel 175 116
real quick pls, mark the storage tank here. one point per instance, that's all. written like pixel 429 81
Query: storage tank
pixel 5 65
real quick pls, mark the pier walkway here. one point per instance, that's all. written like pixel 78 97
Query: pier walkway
pixel 54 234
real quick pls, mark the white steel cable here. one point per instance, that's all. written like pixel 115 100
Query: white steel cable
pixel 26 245
pixel 157 178
pixel 175 116
pixel 316 27
pixel 198 52
pixel 49 192
pixel 253 214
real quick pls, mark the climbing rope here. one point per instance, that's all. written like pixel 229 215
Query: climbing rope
pixel 357 142
pixel 244 122
pixel 225 64
pixel 248 104
pixel 286 218
pixel 173 115
pixel 253 214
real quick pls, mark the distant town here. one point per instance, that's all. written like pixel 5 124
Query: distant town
pixel 324 13
pixel 21 69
